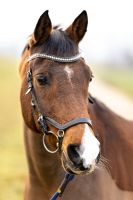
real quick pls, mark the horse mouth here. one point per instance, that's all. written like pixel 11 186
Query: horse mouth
pixel 70 168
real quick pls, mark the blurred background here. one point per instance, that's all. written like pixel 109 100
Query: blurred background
pixel 107 47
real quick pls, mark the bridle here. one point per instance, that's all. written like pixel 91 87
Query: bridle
pixel 43 120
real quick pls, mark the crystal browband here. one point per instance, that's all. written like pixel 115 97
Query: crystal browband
pixel 55 58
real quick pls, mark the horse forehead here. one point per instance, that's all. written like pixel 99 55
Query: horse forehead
pixel 55 68
pixel 63 71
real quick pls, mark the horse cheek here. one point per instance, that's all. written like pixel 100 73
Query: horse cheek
pixel 26 107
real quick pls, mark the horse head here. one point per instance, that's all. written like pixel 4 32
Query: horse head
pixel 57 79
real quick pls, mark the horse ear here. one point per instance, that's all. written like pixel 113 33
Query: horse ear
pixel 42 29
pixel 77 30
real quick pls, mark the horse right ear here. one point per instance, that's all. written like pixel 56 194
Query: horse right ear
pixel 42 29
pixel 78 28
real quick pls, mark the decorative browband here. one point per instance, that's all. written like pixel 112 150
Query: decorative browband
pixel 55 58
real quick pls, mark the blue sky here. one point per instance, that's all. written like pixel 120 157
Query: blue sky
pixel 110 28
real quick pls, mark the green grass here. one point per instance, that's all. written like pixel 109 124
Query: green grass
pixel 121 78
pixel 12 157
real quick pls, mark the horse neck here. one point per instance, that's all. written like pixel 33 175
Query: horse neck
pixel 115 135
pixel 44 168
pixel 111 128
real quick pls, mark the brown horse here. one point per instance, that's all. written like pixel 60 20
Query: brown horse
pixel 58 132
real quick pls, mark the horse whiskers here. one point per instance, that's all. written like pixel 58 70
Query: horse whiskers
pixel 104 160
pixel 104 164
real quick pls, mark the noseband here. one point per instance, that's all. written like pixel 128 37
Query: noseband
pixel 43 120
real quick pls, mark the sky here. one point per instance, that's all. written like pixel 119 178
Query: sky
pixel 110 28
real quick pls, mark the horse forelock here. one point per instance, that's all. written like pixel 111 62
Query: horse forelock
pixel 59 44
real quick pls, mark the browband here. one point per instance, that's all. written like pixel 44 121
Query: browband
pixel 55 58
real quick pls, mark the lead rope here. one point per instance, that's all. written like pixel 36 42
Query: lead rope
pixel 61 188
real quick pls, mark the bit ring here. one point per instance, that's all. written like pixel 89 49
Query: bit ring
pixel 45 146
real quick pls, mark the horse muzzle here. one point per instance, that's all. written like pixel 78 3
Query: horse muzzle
pixel 82 158
pixel 77 168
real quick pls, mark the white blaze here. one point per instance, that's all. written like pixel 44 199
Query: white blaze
pixel 89 148
pixel 69 72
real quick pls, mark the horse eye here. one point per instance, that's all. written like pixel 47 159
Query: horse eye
pixel 91 77
pixel 42 80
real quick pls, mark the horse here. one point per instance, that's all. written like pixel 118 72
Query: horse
pixel 65 129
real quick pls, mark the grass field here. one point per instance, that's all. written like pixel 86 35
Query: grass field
pixel 121 78
pixel 12 160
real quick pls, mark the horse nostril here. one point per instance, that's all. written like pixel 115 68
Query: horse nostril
pixel 73 154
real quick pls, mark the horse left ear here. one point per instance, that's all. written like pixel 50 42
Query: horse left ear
pixel 78 28
pixel 42 29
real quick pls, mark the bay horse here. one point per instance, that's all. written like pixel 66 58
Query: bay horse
pixel 63 130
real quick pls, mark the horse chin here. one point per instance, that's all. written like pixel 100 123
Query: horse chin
pixel 69 167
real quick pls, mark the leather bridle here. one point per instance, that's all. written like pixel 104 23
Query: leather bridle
pixel 43 120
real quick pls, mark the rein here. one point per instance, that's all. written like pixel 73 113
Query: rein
pixel 66 180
